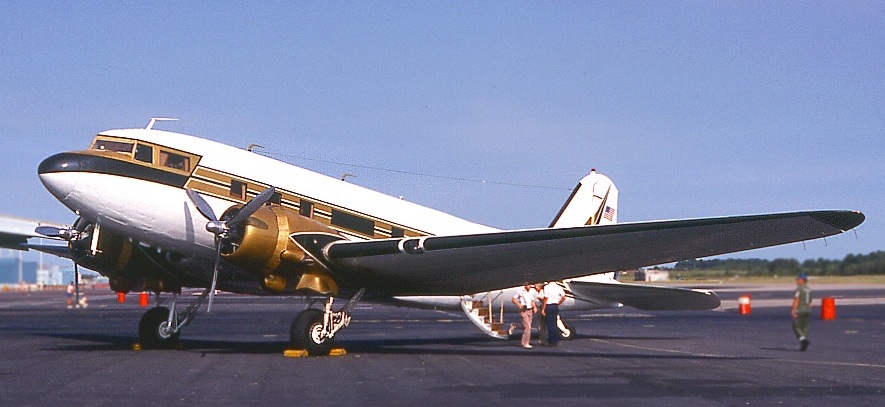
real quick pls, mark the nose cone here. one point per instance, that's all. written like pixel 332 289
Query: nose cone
pixel 62 162
pixel 58 174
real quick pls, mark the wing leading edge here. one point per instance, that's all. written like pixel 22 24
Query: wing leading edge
pixel 452 265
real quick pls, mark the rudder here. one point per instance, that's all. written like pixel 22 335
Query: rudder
pixel 594 201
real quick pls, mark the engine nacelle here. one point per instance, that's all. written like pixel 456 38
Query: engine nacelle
pixel 262 244
pixel 128 265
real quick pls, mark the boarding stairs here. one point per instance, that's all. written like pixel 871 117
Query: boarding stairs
pixel 480 310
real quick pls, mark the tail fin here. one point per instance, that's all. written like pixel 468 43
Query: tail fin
pixel 593 202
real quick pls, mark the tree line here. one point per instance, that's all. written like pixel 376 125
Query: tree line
pixel 851 265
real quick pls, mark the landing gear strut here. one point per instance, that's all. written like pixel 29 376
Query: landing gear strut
pixel 313 330
pixel 160 327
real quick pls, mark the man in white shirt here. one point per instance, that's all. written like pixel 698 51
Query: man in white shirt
pixel 553 296
pixel 525 299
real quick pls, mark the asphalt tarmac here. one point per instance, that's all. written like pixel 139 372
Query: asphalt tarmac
pixel 54 356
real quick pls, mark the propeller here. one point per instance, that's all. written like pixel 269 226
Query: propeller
pixel 64 233
pixel 221 227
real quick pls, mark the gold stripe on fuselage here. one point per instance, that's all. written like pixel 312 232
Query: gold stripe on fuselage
pixel 217 184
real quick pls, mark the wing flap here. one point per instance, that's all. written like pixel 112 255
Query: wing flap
pixel 453 265
pixel 646 297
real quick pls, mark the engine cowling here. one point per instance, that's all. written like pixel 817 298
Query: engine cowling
pixel 262 244
pixel 127 265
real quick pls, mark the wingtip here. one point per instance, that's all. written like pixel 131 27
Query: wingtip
pixel 843 220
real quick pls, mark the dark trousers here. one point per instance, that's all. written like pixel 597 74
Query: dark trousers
pixel 552 318
pixel 800 324
pixel 542 329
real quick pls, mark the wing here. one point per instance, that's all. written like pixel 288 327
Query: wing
pixel 15 232
pixel 452 265
pixel 646 297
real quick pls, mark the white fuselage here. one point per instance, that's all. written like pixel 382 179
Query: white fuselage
pixel 162 215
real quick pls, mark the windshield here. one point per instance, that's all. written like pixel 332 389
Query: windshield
pixel 108 145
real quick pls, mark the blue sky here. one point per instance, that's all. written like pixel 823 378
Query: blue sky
pixel 694 109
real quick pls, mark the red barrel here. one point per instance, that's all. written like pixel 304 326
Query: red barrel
pixel 121 297
pixel 143 299
pixel 828 309
pixel 744 304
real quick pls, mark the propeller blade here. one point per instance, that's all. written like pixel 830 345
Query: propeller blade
pixel 49 231
pixel 202 206
pixel 251 207
pixel 214 273
pixel 64 233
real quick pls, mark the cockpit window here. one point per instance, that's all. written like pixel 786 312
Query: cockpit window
pixel 144 153
pixel 109 145
pixel 176 161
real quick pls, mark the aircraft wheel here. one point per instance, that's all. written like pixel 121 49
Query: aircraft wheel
pixel 568 333
pixel 153 330
pixel 305 333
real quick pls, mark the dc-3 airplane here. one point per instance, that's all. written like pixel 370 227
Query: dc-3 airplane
pixel 161 211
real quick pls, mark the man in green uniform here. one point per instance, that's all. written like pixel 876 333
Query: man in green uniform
pixel 801 311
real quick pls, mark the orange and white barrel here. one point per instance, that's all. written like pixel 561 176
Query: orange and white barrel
pixel 744 304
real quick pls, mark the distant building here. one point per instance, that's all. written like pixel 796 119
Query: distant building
pixel 9 271
pixel 652 275
pixel 51 276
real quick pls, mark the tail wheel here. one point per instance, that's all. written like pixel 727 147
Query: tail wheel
pixel 306 333
pixel 154 331
pixel 566 330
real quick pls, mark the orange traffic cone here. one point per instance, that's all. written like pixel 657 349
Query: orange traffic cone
pixel 744 304
pixel 121 297
pixel 143 299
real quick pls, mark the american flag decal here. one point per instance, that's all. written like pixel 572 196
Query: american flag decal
pixel 609 213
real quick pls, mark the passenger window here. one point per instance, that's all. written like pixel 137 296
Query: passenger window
pixel 144 153
pixel 397 232
pixel 237 189
pixel 176 161
pixel 306 209
pixel 353 222
pixel 276 198
pixel 117 146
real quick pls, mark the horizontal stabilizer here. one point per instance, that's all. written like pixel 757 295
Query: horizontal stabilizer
pixel 646 297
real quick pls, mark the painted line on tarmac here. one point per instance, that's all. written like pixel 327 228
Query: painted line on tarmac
pixel 711 355
pixel 624 345
pixel 818 362
pixel 774 303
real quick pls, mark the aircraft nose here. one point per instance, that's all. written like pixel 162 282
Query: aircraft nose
pixel 62 162
pixel 55 174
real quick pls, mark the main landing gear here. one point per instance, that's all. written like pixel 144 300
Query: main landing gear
pixel 160 327
pixel 314 330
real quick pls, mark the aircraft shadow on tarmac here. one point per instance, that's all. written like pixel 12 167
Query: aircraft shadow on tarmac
pixel 462 346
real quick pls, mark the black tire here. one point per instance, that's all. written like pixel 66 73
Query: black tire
pixel 304 333
pixel 569 332
pixel 150 332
